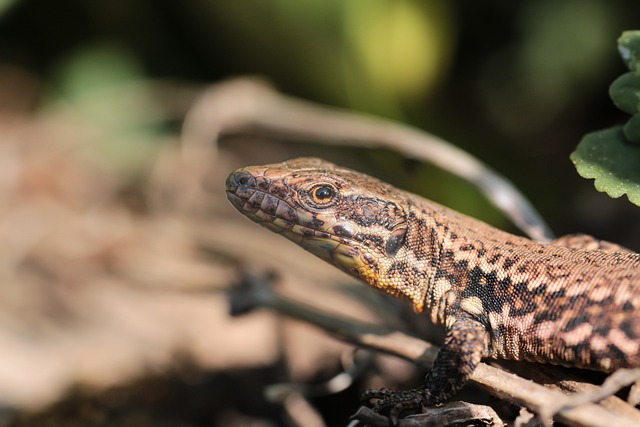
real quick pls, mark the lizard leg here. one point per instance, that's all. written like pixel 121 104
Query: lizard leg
pixel 461 352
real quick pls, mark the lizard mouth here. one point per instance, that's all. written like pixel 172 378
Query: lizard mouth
pixel 251 196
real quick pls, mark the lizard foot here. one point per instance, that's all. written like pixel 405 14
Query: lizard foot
pixel 397 402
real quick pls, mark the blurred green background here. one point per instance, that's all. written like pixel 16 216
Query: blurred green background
pixel 517 84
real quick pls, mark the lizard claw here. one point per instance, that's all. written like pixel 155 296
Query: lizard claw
pixel 376 393
pixel 394 401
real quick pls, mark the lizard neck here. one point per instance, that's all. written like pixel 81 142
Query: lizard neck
pixel 427 246
pixel 457 245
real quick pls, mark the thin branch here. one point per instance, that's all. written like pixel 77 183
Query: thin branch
pixel 244 103
pixel 614 383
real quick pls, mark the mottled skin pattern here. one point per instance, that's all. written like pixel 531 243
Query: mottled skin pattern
pixel 574 302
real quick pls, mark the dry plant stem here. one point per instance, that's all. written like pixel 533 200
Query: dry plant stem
pixel 509 387
pixel 557 378
pixel 244 103
pixel 615 382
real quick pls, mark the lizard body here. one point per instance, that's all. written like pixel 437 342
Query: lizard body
pixel 574 302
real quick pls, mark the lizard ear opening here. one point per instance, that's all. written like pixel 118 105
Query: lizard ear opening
pixel 395 242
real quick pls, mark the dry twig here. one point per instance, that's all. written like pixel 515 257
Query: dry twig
pixel 615 382
pixel 245 104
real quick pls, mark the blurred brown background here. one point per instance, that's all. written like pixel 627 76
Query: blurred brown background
pixel 116 251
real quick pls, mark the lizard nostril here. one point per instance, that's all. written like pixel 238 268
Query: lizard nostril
pixel 242 178
pixel 239 179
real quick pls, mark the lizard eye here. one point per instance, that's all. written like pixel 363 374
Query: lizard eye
pixel 323 194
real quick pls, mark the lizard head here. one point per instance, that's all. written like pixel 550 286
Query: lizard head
pixel 355 222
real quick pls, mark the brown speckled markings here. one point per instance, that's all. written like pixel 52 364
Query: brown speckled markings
pixel 574 302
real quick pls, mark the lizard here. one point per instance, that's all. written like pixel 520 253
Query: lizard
pixel 574 301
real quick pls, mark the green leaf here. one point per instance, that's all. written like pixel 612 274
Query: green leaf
pixel 625 92
pixel 632 129
pixel 612 161
pixel 612 156
pixel 629 48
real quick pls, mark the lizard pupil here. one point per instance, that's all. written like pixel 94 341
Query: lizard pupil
pixel 322 194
